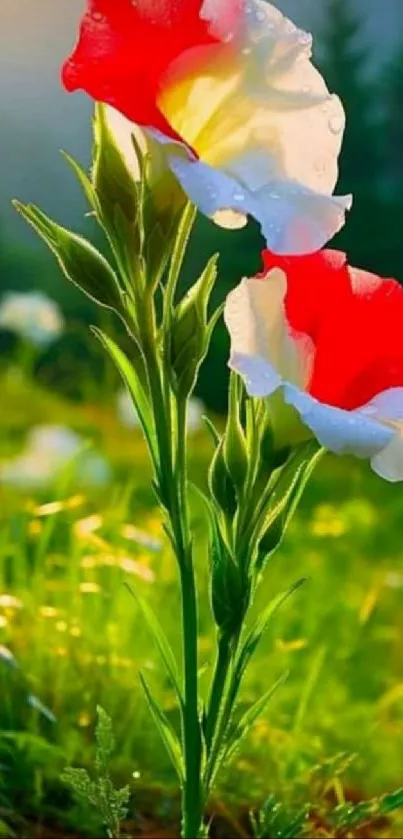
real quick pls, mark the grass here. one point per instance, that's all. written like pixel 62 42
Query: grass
pixel 78 640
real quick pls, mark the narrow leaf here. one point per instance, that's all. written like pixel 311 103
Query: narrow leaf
pixel 133 384
pixel 168 735
pixel 260 628
pixel 250 716
pixel 160 640
pixel 84 180
pixel 215 435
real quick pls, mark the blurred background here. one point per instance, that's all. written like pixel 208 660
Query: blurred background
pixel 359 47
pixel 78 519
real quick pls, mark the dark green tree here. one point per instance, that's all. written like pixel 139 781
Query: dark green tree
pixel 346 65
pixel 391 96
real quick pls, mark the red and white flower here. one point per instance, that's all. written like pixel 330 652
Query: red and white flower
pixel 227 87
pixel 328 339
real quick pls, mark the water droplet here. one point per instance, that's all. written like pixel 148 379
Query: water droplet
pixel 306 88
pixel 305 39
pixel 239 196
pixel 260 16
pixel 275 196
pixel 246 51
pixel 336 124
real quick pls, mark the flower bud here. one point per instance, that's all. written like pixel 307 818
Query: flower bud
pixel 113 182
pixel 235 451
pixel 79 260
pixel 221 486
pixel 230 590
pixel 190 332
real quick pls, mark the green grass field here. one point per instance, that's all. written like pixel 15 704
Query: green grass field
pixel 71 637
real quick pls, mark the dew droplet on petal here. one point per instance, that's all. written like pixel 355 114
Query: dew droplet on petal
pixel 230 219
pixel 336 124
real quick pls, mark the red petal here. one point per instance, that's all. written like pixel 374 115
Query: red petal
pixel 355 320
pixel 125 48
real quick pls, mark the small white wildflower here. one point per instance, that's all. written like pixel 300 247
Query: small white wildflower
pixel 48 450
pixel 31 315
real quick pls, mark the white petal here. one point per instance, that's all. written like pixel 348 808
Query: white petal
pixel 388 464
pixel 387 407
pixel 260 114
pixel 263 350
pixel 294 219
pixel 342 432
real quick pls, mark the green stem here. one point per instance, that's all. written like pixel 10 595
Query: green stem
pixel 223 661
pixel 173 474
pixel 222 705
pixel 192 790
pixel 192 808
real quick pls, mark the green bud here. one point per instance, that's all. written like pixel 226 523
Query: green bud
pixel 230 591
pixel 114 184
pixel 80 262
pixel 190 332
pixel 285 497
pixel 267 446
pixel 221 486
pixel 235 450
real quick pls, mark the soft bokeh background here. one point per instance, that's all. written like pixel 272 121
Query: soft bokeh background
pixel 78 519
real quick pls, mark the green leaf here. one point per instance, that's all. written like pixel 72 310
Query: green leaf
pixel 187 333
pixel 215 435
pixel 348 816
pixel 79 781
pixel 160 640
pixel 84 180
pixel 274 819
pixel 285 497
pixel 243 726
pixel 185 228
pixel 134 385
pixel 168 735
pixel 105 740
pixel 111 804
pixel 80 262
pixel 260 628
